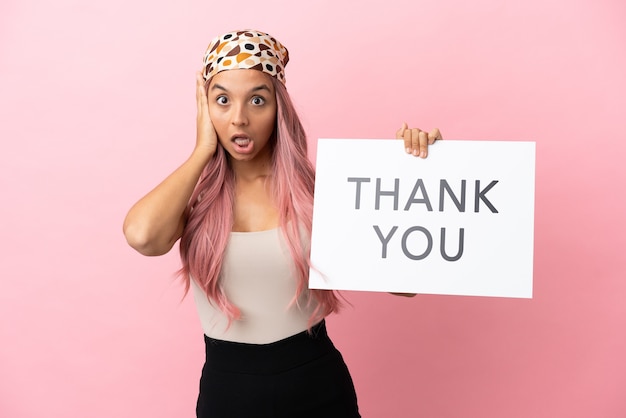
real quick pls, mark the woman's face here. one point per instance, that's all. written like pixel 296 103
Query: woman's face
pixel 242 106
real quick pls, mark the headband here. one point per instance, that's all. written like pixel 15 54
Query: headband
pixel 246 49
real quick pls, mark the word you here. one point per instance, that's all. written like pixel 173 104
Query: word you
pixel 420 196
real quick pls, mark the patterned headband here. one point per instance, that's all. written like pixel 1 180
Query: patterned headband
pixel 246 49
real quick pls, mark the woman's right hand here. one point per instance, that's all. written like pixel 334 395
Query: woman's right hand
pixel 206 137
pixel 154 224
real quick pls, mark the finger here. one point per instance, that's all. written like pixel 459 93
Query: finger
pixel 198 91
pixel 201 95
pixel 423 144
pixel 433 136
pixel 400 132
pixel 204 98
pixel 408 140
pixel 415 145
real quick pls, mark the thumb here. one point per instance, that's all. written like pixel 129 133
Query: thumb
pixel 400 132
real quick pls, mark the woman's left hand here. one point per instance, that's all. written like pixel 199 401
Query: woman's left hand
pixel 416 141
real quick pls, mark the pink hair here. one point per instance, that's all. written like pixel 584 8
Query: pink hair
pixel 210 216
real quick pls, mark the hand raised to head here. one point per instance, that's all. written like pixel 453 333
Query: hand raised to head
pixel 206 137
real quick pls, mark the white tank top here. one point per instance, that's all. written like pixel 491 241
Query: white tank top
pixel 257 277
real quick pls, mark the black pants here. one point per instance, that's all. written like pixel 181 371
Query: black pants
pixel 302 376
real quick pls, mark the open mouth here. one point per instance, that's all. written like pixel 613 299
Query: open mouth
pixel 241 141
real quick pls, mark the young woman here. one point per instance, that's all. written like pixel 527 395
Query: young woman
pixel 241 206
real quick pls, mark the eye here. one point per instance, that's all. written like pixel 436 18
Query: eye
pixel 222 100
pixel 258 100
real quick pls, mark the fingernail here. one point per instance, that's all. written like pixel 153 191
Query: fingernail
pixel 408 150
pixel 423 154
pixel 415 152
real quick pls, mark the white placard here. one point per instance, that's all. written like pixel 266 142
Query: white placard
pixel 459 222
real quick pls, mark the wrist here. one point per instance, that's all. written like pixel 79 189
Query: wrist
pixel 201 155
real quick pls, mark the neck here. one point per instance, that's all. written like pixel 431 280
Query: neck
pixel 260 166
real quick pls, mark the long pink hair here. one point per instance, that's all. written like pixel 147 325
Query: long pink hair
pixel 210 213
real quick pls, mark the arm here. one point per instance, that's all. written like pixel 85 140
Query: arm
pixel 416 142
pixel 157 220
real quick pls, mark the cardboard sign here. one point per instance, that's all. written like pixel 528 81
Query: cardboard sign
pixel 459 222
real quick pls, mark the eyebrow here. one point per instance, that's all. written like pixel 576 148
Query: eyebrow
pixel 253 90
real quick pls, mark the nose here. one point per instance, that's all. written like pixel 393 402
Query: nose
pixel 240 116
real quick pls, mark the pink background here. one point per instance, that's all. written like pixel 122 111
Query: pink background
pixel 97 105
